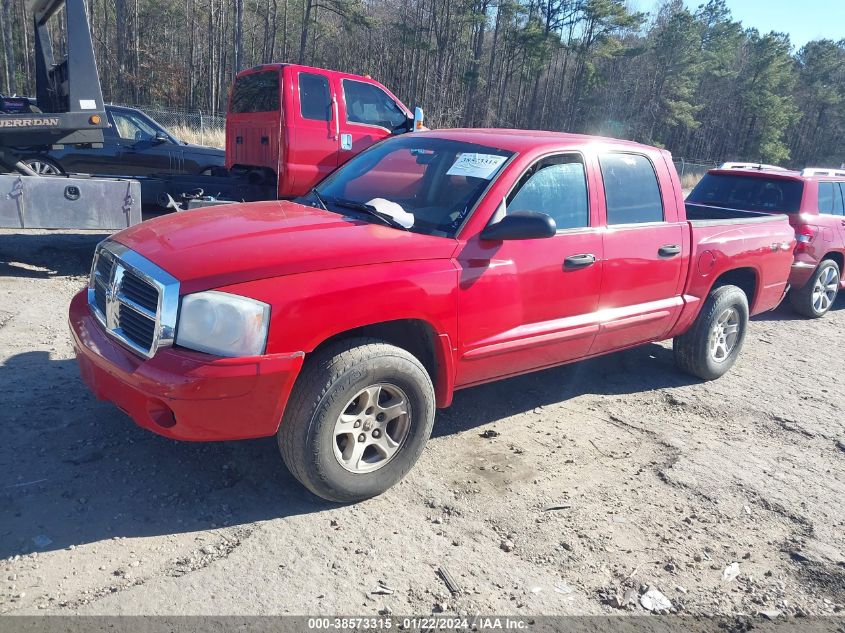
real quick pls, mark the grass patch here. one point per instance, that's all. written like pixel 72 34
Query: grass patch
pixel 210 137
pixel 688 181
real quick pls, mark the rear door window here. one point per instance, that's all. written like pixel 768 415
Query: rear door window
pixel 830 198
pixel 370 105
pixel 315 99
pixel 631 191
pixel 555 186
pixel 256 92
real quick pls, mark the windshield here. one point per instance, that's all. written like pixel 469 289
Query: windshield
pixel 748 193
pixel 425 185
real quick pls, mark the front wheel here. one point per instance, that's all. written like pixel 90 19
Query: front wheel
pixel 817 296
pixel 358 419
pixel 711 346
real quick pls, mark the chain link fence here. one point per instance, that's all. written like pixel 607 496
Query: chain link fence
pixel 691 172
pixel 193 126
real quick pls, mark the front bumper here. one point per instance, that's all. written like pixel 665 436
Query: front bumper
pixel 181 394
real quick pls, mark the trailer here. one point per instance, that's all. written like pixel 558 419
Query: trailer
pixel 68 109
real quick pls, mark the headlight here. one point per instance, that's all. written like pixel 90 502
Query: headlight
pixel 223 324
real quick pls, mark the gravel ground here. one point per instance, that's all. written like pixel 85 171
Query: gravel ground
pixel 607 478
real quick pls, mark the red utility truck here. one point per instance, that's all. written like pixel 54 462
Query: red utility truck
pixel 429 263
pixel 288 126
pixel 814 200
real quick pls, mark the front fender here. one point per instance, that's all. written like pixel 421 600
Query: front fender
pixel 310 308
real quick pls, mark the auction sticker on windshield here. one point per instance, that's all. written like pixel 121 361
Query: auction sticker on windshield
pixel 476 165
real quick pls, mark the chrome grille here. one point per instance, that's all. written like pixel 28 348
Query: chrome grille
pixel 136 327
pixel 139 291
pixel 134 300
pixel 101 278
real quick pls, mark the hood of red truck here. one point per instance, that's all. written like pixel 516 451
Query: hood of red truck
pixel 219 246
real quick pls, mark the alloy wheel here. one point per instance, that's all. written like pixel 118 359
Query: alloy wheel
pixel 41 168
pixel 372 428
pixel 825 290
pixel 724 334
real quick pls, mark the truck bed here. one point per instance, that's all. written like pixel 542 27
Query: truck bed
pixel 703 215
pixel 755 248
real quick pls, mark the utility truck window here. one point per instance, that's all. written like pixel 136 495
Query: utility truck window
pixel 256 92
pixel 630 189
pixel 748 193
pixel 425 185
pixel 371 105
pixel 555 186
pixel 315 99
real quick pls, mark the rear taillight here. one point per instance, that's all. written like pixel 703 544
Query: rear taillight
pixel 804 235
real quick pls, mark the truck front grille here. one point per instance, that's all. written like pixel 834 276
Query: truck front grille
pixel 136 327
pixel 134 300
pixel 102 278
pixel 139 291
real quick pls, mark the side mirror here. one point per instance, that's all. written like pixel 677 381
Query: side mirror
pixel 521 225
pixel 416 124
pixel 160 138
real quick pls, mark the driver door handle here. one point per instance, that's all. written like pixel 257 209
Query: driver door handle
pixel 579 261
pixel 669 250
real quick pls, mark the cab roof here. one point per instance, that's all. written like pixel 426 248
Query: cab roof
pixel 523 140
pixel 314 69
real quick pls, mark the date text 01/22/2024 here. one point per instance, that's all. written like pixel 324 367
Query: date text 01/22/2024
pixel 478 623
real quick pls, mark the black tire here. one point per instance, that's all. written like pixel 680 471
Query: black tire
pixel 801 299
pixel 324 389
pixel 46 164
pixel 692 349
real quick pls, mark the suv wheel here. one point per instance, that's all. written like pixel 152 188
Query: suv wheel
pixel 358 419
pixel 711 346
pixel 817 296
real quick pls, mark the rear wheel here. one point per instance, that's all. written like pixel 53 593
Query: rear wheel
pixel 358 419
pixel 43 166
pixel 817 296
pixel 713 343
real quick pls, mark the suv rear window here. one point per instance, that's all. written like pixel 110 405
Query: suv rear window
pixel 830 198
pixel 257 92
pixel 748 193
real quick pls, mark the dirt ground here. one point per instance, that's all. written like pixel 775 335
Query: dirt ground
pixel 606 478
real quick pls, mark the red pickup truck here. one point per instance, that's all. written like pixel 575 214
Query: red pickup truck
pixel 430 262
pixel 814 200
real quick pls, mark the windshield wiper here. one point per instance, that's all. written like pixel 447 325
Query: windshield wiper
pixel 317 195
pixel 370 210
